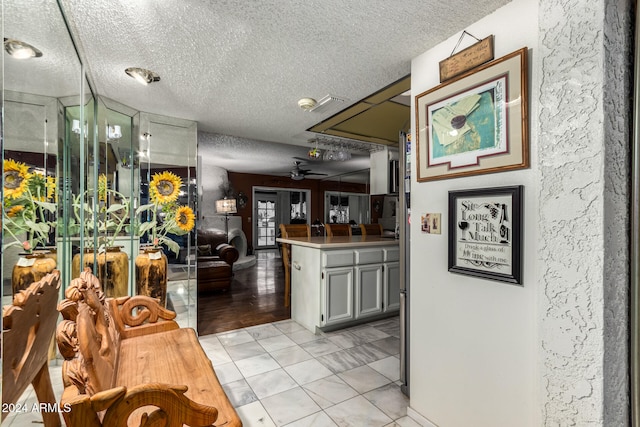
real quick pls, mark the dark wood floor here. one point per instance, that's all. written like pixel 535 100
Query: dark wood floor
pixel 256 297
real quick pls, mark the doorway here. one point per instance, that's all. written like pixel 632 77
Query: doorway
pixel 265 214
pixel 274 206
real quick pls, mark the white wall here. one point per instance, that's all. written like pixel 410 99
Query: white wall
pixel 211 178
pixel 473 341
pixel 554 351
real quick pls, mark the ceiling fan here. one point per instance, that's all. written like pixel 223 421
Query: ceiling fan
pixel 298 174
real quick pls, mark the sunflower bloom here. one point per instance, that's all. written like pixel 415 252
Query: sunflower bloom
pixel 185 218
pixel 164 187
pixel 37 186
pixel 14 211
pixel 102 188
pixel 51 188
pixel 15 178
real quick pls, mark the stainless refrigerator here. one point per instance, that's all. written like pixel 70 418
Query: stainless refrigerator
pixel 404 236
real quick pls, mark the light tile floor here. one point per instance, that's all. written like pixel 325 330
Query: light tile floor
pixel 280 374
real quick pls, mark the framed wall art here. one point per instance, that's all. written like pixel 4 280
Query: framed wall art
pixel 475 123
pixel 485 233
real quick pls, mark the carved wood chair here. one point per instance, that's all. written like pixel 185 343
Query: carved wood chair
pixel 371 229
pixel 287 231
pixel 28 327
pixel 338 230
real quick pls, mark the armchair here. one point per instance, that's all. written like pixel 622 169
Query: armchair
pixel 215 258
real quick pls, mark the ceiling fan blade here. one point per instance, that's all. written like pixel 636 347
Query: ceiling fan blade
pixel 302 159
pixel 315 173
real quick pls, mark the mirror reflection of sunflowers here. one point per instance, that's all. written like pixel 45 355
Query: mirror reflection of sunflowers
pixel 166 216
pixel 28 206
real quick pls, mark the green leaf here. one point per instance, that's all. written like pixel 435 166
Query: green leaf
pixel 51 207
pixel 144 208
pixel 115 207
pixel 146 226
pixel 173 246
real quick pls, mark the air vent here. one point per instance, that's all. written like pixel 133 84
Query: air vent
pixel 328 103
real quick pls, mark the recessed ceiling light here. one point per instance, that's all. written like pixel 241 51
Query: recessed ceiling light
pixel 142 75
pixel 307 103
pixel 21 50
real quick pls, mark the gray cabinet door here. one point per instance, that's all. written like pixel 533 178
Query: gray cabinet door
pixel 368 290
pixel 338 295
pixel 392 286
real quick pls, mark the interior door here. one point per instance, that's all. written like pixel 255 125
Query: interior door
pixel 265 214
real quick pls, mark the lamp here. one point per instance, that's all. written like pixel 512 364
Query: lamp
pixel 226 206
pixel 114 132
pixel 75 126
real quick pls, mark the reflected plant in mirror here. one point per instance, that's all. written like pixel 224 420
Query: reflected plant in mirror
pixel 28 206
pixel 166 215
pixel 109 218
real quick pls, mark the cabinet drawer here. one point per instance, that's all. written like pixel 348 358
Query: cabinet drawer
pixel 391 255
pixel 337 258
pixel 368 256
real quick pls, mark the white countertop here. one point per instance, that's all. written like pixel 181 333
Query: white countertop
pixel 323 242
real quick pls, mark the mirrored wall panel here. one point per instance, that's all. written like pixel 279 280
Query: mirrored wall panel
pixel 87 183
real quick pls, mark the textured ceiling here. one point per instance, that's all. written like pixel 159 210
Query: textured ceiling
pixel 239 67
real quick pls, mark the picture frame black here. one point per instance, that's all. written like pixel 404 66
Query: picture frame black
pixel 485 233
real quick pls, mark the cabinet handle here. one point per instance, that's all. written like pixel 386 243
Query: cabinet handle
pixel 296 265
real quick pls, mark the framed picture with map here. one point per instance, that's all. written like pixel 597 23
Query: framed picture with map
pixel 475 123
pixel 485 233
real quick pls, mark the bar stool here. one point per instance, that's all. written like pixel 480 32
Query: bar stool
pixel 287 231
pixel 371 229
pixel 338 230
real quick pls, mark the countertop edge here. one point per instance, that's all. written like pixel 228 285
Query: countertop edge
pixel 339 242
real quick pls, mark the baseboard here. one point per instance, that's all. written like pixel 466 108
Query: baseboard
pixel 419 418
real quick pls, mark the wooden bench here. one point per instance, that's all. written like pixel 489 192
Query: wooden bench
pixel 28 325
pixel 127 362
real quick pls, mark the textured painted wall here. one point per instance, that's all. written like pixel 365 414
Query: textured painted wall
pixel 583 126
pixel 618 113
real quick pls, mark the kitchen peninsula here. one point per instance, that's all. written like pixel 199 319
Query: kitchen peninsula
pixel 341 281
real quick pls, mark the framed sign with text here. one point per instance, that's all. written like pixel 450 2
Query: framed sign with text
pixel 485 233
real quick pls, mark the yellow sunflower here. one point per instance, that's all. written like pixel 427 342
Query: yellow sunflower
pixel 51 188
pixel 164 187
pixel 37 186
pixel 102 187
pixel 14 211
pixel 185 218
pixel 15 178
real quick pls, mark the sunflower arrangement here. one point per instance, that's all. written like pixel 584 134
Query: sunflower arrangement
pixel 107 219
pixel 167 216
pixel 28 205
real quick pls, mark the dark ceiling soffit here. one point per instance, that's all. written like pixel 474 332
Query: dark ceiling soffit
pixel 329 125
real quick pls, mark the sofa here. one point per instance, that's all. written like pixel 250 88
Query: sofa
pixel 215 258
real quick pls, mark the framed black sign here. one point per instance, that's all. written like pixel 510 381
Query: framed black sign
pixel 485 233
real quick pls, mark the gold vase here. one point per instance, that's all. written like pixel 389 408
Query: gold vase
pixel 112 269
pixel 151 274
pixel 30 268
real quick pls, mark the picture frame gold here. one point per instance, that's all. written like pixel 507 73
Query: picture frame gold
pixel 476 123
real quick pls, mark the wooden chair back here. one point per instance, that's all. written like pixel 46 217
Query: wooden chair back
pixel 295 230
pixel 371 229
pixel 89 329
pixel 287 231
pixel 338 230
pixel 28 327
